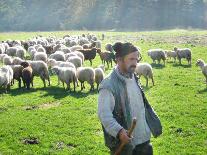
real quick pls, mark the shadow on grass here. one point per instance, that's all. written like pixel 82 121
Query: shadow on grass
pixel 157 66
pixel 202 91
pixel 55 91
pixel 181 65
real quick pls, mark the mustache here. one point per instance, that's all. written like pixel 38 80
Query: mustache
pixel 133 66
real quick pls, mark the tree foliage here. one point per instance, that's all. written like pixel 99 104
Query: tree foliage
pixel 49 15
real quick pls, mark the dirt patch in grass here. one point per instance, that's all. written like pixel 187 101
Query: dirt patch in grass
pixel 42 106
pixel 61 145
pixel 49 105
pixel 30 140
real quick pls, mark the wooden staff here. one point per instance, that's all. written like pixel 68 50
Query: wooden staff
pixel 118 151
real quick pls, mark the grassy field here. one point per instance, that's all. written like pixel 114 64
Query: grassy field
pixel 66 123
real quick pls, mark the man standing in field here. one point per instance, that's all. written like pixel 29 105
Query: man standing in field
pixel 121 99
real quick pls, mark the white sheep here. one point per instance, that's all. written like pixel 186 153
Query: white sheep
pixel 76 60
pixel 17 61
pixel 6 76
pixel 7 60
pixel 183 53
pixel 21 53
pixel 80 55
pixel 40 69
pixel 144 69
pixel 41 49
pixel 40 56
pixel 58 55
pixel 203 67
pixel 75 48
pixel 157 54
pixel 2 56
pixel 86 74
pixel 66 75
pixel 69 55
pixel 171 54
pixel 11 51
pixel 99 76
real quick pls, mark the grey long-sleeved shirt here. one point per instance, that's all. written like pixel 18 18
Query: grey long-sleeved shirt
pixel 106 105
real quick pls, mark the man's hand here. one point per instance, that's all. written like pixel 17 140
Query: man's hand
pixel 123 136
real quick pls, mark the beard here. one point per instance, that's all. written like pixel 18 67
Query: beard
pixel 131 69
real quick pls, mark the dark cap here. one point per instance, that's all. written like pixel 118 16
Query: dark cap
pixel 122 49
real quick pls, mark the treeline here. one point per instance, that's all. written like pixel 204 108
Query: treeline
pixel 131 15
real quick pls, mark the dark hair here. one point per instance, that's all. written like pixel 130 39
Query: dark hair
pixel 122 49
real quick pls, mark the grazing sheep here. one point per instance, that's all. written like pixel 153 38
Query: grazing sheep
pixel 40 56
pixel 41 49
pixel 27 76
pixel 203 67
pixel 77 61
pixel 86 74
pixel 69 55
pixel 99 76
pixel 157 54
pixel 2 56
pixel 75 48
pixel 66 75
pixel 7 60
pixel 11 51
pixel 144 69
pixel 58 56
pixel 6 76
pixel 21 53
pixel 106 57
pixel 89 54
pixel 80 55
pixel 171 54
pixel 183 53
pixel 53 62
pixel 17 73
pixel 40 69
pixel 2 49
pixel 17 61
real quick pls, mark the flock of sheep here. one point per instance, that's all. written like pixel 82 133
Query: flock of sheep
pixel 65 58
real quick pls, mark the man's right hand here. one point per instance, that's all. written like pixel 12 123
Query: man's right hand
pixel 123 136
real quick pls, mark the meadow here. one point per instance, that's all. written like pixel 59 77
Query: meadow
pixel 53 121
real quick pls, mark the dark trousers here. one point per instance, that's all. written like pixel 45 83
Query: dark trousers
pixel 141 149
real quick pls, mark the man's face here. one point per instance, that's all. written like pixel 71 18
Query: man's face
pixel 129 62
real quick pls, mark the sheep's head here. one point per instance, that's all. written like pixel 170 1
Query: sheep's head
pixel 98 50
pixel 55 70
pixel 175 49
pixel 25 64
pixel 200 62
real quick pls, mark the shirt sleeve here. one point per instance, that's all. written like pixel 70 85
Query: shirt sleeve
pixel 106 105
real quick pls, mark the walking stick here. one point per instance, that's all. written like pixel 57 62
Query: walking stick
pixel 118 151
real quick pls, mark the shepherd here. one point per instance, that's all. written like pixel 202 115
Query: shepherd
pixel 121 98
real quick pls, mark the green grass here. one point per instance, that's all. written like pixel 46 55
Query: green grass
pixel 71 126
